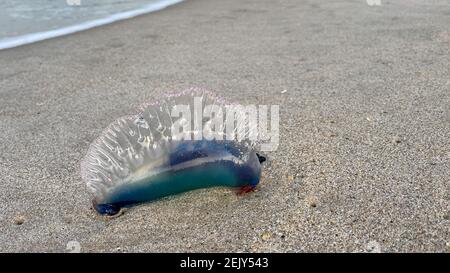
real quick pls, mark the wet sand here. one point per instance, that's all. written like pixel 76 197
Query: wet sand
pixel 364 154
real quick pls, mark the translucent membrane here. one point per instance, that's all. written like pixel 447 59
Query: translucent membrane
pixel 140 158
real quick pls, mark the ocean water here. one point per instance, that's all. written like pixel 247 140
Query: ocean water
pixel 27 21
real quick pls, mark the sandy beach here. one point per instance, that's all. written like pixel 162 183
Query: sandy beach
pixel 363 163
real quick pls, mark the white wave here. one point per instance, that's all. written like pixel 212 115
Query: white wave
pixel 39 36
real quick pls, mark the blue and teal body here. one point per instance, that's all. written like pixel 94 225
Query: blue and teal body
pixel 190 165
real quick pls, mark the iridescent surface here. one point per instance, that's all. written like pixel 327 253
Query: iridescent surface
pixel 136 159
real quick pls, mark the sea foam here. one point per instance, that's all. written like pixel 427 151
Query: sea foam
pixel 39 36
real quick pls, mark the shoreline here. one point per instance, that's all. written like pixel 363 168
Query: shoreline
pixel 12 42
pixel 363 153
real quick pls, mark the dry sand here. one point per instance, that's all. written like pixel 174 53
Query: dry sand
pixel 363 161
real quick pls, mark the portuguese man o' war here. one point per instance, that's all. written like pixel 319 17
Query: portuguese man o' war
pixel 144 157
